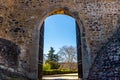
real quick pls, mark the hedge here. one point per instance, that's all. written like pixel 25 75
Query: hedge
pixel 58 71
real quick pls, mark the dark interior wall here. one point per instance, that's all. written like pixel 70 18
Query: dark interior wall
pixel 9 53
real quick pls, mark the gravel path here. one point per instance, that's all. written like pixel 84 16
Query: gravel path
pixel 73 76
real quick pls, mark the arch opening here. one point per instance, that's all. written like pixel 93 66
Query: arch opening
pixel 78 41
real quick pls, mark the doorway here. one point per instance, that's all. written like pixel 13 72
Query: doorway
pixel 79 53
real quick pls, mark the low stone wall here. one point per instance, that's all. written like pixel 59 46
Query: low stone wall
pixel 71 66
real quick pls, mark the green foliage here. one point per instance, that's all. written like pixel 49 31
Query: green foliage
pixel 46 67
pixel 52 59
pixel 62 69
pixel 53 64
pixel 58 71
pixel 52 56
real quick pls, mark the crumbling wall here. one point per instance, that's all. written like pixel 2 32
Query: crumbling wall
pixel 107 62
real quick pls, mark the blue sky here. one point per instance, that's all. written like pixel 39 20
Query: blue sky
pixel 59 31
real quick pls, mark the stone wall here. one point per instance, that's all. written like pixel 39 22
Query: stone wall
pixel 107 64
pixel 9 53
pixel 71 66
pixel 18 18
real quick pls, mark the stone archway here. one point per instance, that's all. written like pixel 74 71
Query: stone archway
pixel 39 36
pixel 79 54
pixel 99 21
pixel 41 41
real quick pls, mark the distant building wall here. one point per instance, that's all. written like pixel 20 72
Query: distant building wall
pixel 70 66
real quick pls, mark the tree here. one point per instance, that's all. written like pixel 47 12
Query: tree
pixel 51 56
pixel 68 55
pixel 52 59
pixel 53 64
pixel 46 67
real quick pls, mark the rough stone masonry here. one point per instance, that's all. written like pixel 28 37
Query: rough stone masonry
pixel 21 22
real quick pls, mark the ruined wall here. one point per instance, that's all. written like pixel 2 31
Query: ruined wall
pixel 19 17
pixel 107 63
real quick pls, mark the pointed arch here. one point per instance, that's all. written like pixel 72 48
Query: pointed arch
pixel 37 40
